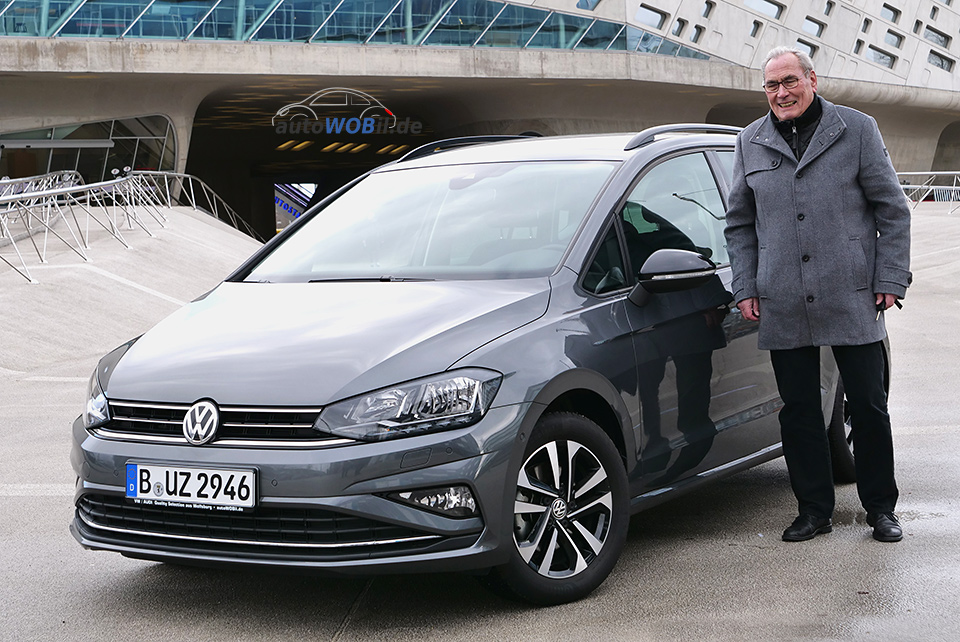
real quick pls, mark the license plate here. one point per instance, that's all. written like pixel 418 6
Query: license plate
pixel 196 487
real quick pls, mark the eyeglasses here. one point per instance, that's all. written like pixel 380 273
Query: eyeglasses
pixel 772 86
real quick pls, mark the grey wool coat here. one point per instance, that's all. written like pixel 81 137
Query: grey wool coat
pixel 815 240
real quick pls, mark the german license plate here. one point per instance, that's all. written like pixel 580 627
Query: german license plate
pixel 196 487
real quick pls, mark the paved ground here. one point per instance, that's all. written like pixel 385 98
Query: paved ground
pixel 709 566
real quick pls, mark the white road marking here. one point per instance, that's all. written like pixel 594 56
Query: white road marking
pixel 113 276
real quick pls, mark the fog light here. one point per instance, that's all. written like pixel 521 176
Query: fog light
pixel 453 501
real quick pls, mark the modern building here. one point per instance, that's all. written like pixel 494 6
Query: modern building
pixel 200 85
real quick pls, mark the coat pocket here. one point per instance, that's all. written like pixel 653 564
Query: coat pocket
pixel 858 264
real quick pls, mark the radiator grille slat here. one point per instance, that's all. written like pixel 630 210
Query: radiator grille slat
pixel 268 527
pixel 289 426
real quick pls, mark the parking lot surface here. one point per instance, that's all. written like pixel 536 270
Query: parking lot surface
pixel 707 566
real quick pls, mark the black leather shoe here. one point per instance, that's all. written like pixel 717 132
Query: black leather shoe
pixel 886 528
pixel 807 527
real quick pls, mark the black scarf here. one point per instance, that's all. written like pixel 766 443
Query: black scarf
pixel 799 132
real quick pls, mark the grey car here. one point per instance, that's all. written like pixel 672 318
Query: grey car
pixel 483 357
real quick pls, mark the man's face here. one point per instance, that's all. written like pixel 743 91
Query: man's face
pixel 787 104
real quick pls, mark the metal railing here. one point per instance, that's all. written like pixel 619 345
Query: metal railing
pixel 53 180
pixel 128 201
pixel 944 187
pixel 185 189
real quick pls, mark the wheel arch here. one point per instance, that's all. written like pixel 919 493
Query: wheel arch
pixel 588 393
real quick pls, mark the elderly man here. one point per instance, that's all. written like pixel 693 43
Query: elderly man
pixel 818 231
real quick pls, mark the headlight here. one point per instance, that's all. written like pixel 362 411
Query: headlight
pixel 96 412
pixel 451 400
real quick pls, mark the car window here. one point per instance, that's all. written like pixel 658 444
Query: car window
pixel 725 157
pixel 675 204
pixel 481 221
pixel 607 271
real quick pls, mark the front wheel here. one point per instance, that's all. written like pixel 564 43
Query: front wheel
pixel 570 514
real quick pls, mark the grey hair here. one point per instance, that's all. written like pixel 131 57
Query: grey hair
pixel 805 62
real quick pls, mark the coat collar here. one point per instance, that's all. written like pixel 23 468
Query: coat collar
pixel 828 132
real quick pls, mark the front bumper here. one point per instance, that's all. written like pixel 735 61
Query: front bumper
pixel 320 509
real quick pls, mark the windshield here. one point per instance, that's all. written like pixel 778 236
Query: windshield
pixel 484 221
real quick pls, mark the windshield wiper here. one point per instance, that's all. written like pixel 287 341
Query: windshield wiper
pixel 374 279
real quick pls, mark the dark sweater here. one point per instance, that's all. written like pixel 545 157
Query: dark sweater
pixel 799 132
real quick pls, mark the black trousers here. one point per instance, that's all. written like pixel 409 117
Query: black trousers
pixel 805 445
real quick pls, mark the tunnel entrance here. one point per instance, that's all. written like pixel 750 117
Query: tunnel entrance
pixel 252 143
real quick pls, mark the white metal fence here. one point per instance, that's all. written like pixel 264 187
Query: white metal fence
pixel 943 187
pixel 50 208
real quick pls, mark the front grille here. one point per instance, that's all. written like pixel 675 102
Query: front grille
pixel 267 530
pixel 239 425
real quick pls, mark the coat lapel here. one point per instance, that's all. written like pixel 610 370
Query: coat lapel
pixel 829 130
pixel 768 136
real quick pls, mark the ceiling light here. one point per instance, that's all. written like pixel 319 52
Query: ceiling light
pixel 302 145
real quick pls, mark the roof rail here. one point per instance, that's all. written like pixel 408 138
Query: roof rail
pixel 647 135
pixel 462 141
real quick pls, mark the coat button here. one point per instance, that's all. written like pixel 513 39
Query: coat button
pixel 800 175
pixel 800 217
pixel 773 163
pixel 810 299
pixel 805 258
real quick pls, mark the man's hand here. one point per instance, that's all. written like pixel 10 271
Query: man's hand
pixel 750 308
pixel 885 301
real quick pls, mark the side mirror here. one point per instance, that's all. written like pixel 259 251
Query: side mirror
pixel 671 270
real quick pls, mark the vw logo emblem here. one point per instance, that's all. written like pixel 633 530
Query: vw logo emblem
pixel 559 508
pixel 200 424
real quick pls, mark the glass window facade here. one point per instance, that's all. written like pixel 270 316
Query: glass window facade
pixel 881 57
pixel 939 60
pixel 806 47
pixel 893 39
pixel 102 18
pixel 561 32
pixel 434 23
pixel 513 27
pixel 650 17
pixel 765 7
pixel 813 27
pixel 889 13
pixel 464 23
pixel 145 143
pixel 601 35
pixel 937 37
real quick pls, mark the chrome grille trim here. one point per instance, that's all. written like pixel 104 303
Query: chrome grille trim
pixel 241 426
pixel 385 542
pixel 328 442
pixel 153 421
pixel 233 424
pixel 139 404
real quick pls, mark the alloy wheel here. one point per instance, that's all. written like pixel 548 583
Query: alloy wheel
pixel 563 509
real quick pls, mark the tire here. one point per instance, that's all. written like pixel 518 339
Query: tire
pixel 570 514
pixel 840 436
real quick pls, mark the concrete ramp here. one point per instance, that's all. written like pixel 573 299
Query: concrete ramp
pixel 56 328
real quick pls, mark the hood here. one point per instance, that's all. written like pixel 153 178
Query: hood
pixel 309 344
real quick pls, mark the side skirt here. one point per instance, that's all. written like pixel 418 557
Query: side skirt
pixel 660 495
